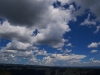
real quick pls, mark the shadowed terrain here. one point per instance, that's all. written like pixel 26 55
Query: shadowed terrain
pixel 11 69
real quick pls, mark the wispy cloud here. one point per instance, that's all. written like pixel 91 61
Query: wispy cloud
pixel 94 51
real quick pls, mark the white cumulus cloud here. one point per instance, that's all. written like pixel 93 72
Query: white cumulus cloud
pixel 94 45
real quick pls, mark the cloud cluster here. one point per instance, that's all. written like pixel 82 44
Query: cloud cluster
pixel 22 18
pixel 84 7
pixel 50 59
pixel 17 27
pixel 12 56
pixel 54 59
pixel 92 5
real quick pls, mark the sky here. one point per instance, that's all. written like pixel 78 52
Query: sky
pixel 50 32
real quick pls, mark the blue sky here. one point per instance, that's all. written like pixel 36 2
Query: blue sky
pixel 50 33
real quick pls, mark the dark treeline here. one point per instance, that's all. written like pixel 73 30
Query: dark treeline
pixel 42 70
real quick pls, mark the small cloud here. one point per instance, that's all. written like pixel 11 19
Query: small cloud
pixel 35 48
pixel 69 44
pixel 91 59
pixel 94 51
pixel 42 53
pixel 60 49
pixel 87 21
pixel 95 61
pixel 94 45
pixel 67 51
pixel 97 29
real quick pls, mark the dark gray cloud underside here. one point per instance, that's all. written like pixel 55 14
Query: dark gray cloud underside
pixel 21 12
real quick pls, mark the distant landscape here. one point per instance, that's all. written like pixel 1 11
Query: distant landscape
pixel 15 69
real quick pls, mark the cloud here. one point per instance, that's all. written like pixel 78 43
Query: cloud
pixel 87 21
pixel 92 5
pixel 24 12
pixel 95 61
pixel 59 57
pixel 51 59
pixel 64 1
pixel 94 45
pixel 58 60
pixel 14 56
pixel 56 25
pixel 23 17
pixel 67 51
pixel 7 56
pixel 34 61
pixel 16 50
pixel 60 49
pixel 42 53
pixel 69 44
pixel 97 29
pixel 22 34
pixel 16 53
pixel 94 51
pixel 15 32
pixel 9 51
pixel 16 45
pixel 25 54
